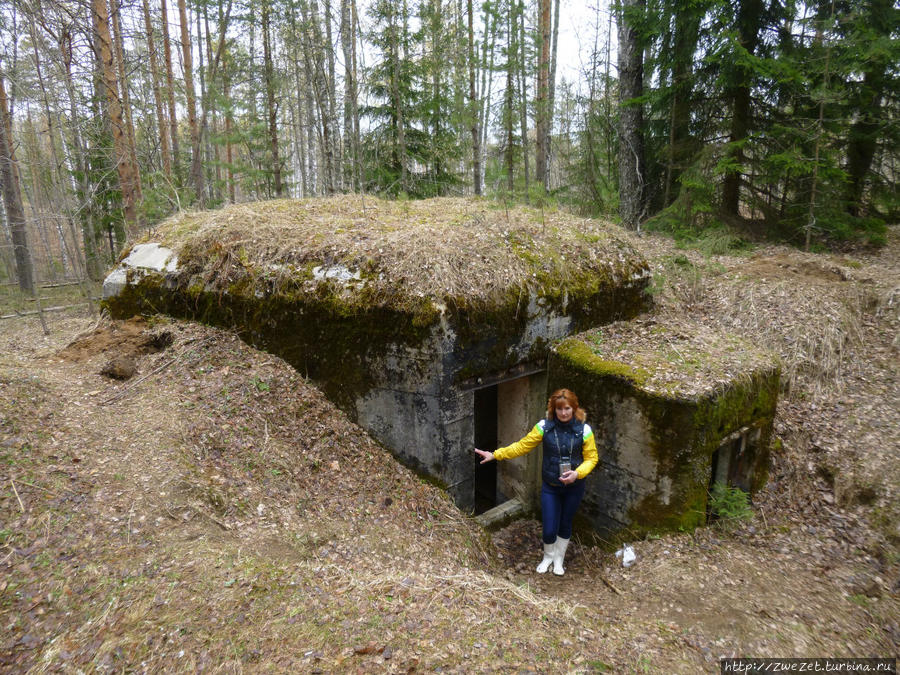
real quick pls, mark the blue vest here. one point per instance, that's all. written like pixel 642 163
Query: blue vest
pixel 561 440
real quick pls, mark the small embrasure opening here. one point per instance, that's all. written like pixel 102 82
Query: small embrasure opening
pixel 732 463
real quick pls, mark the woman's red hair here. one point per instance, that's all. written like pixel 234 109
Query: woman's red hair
pixel 569 397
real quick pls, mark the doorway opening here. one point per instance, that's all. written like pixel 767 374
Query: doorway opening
pixel 505 410
pixel 732 462
pixel 486 403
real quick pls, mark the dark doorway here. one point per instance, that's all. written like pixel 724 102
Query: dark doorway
pixel 733 461
pixel 486 439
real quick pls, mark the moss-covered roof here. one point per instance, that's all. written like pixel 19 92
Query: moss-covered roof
pixel 667 355
pixel 473 251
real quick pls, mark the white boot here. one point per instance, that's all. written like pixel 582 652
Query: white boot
pixel 549 550
pixel 558 555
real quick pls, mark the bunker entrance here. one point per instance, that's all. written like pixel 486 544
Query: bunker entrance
pixel 504 411
pixel 734 460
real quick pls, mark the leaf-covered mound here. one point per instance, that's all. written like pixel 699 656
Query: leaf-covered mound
pixel 669 355
pixel 467 250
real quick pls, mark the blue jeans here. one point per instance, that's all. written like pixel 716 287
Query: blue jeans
pixel 558 507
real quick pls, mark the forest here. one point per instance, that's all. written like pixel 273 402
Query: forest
pixel 729 119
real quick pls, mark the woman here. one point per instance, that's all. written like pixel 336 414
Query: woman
pixel 568 442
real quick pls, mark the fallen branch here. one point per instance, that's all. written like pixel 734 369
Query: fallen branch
pixel 609 584
pixel 21 505
pixel 38 487
pixel 19 315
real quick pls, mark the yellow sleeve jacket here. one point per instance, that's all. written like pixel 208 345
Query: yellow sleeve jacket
pixel 536 436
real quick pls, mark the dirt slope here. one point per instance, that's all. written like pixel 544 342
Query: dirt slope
pixel 216 513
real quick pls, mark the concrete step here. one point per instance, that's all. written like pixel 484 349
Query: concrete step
pixel 501 515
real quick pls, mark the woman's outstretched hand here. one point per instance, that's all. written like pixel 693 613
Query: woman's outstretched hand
pixel 485 456
pixel 569 477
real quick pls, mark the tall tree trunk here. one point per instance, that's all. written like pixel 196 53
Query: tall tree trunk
pixel 79 161
pixel 491 23
pixel 157 95
pixel 211 130
pixel 351 110
pixel 437 66
pixel 749 15
pixel 542 101
pixel 631 118
pixel 119 55
pixel 12 196
pixel 203 121
pixel 523 97
pixel 300 124
pixel 170 91
pixel 553 52
pixel 314 131
pixel 104 49
pixel 509 109
pixel 229 117
pixel 866 130
pixel 269 74
pixel 354 30
pixel 687 32
pixel 321 90
pixel 608 99
pixel 396 101
pixel 474 114
pixel 215 59
pixel 98 160
pixel 193 127
pixel 332 99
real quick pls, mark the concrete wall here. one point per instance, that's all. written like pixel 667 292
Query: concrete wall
pixel 422 408
pixel 403 407
pixel 656 452
pixel 627 471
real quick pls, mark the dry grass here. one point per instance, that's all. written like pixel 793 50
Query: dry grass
pixel 677 355
pixel 437 248
pixel 806 308
pixel 813 327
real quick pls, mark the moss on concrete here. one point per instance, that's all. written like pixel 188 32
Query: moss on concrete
pixel 579 355
pixel 685 425
pixel 326 336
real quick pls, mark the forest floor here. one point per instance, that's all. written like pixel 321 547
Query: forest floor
pixel 216 513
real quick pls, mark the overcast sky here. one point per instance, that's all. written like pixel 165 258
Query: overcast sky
pixel 577 31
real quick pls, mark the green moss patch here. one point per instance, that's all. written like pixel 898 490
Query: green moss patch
pixel 670 356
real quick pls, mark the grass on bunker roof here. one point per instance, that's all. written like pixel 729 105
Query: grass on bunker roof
pixel 443 247
pixel 679 356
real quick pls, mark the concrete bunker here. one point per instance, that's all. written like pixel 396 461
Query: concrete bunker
pixel 443 324
pixel 677 407
pixel 416 318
